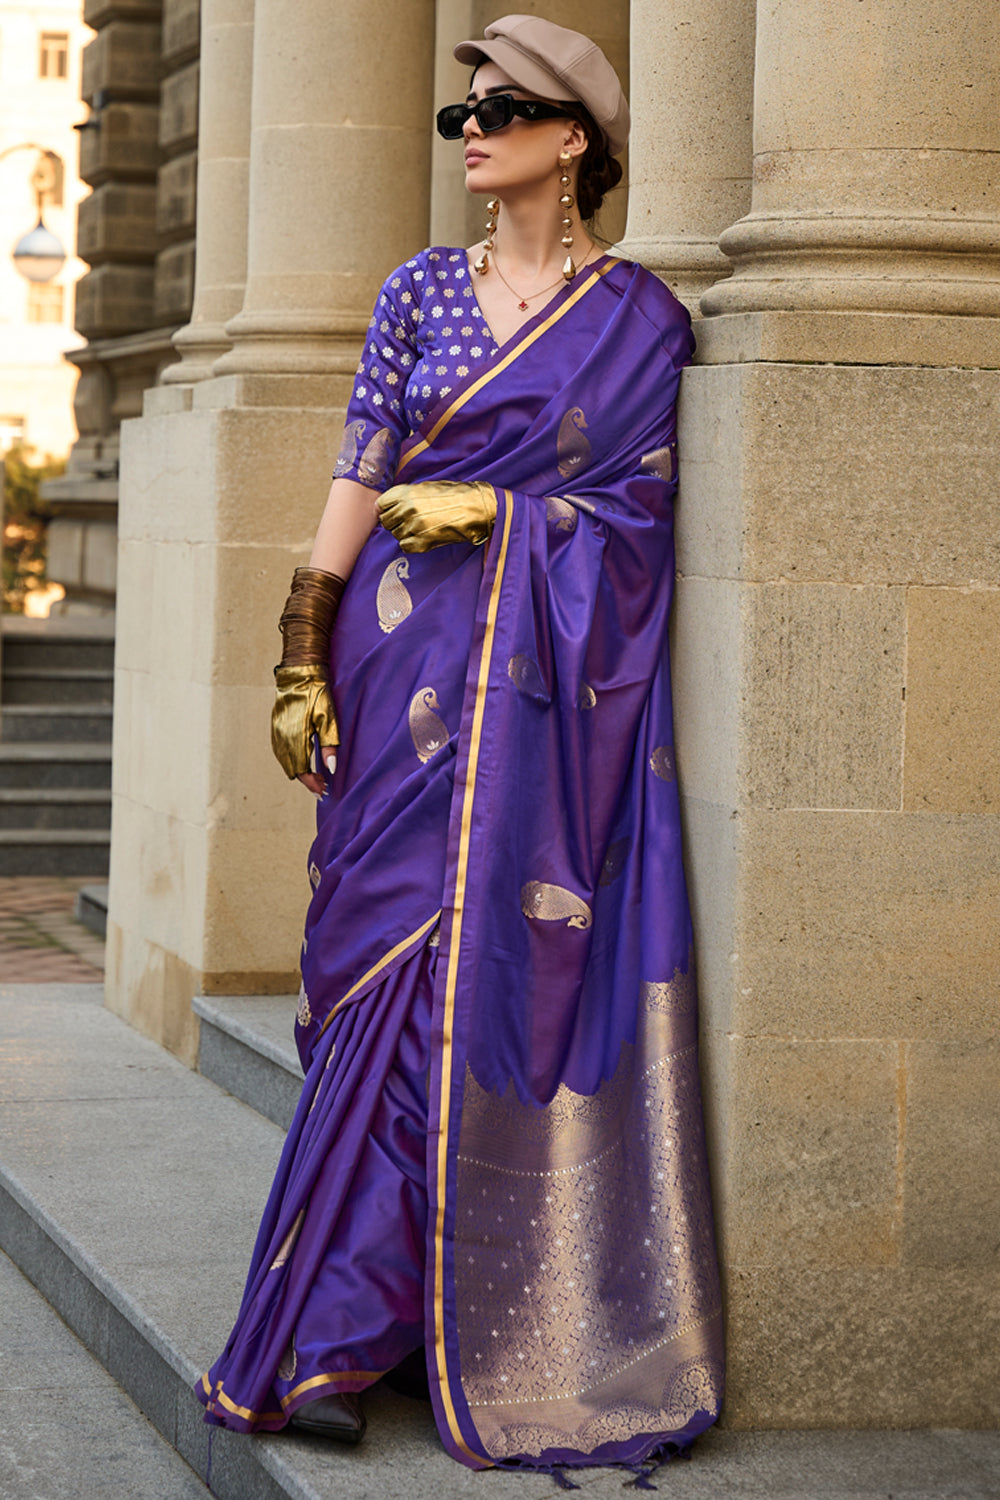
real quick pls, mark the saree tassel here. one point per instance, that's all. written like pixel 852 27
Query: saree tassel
pixel 643 1473
pixel 522 1466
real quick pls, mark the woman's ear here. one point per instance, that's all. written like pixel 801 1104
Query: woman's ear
pixel 576 139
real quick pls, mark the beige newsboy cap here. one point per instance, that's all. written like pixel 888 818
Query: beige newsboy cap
pixel 555 63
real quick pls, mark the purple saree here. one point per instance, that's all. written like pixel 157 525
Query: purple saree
pixel 499 897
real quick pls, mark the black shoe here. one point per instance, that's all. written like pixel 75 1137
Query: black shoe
pixel 337 1417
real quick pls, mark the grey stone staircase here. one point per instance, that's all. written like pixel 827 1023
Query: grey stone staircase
pixel 247 1048
pixel 56 684
pixel 130 1191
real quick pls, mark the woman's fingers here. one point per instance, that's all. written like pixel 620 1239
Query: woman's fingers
pixel 314 782
pixel 389 505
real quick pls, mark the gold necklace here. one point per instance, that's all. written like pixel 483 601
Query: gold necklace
pixel 522 302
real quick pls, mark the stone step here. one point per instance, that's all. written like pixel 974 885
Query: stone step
pixel 53 851
pixel 31 653
pixel 21 722
pixel 91 908
pixel 69 1430
pixel 49 686
pixel 51 808
pixel 45 764
pixel 247 1048
pixel 130 1190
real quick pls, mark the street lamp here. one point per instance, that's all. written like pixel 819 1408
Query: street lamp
pixel 39 254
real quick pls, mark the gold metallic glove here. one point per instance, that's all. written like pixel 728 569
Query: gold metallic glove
pixel 431 514
pixel 304 707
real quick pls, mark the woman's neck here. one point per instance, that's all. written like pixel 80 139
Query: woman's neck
pixel 528 237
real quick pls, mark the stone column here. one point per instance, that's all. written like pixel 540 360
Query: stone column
pixel 692 120
pixel 223 483
pixel 339 165
pixel 836 680
pixel 223 170
pixel 876 132
pixel 450 205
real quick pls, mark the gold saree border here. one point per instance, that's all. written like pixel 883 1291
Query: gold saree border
pixel 309 1385
pixel 382 964
pixel 218 1397
pixel 451 982
pixel 505 363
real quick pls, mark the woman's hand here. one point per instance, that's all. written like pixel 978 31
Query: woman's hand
pixel 303 709
pixel 432 514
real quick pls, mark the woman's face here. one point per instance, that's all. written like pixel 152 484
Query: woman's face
pixel 522 154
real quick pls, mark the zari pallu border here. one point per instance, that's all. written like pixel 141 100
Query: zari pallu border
pixel 466 779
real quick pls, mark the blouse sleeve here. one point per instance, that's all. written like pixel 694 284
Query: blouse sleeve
pixel 376 415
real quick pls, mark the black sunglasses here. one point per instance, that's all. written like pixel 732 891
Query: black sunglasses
pixel 493 113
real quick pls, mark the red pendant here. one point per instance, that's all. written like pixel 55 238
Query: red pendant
pixel 523 306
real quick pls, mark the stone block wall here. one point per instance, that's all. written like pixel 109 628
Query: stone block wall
pixel 117 223
pixel 173 293
pixel 125 147
pixel 121 76
pixel 136 231
pixel 836 682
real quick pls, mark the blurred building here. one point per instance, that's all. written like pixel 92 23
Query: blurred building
pixel 138 152
pixel 40 48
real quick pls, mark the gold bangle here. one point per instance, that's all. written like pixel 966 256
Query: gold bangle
pixel 308 616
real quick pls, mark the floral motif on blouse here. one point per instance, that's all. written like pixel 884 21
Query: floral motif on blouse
pixel 414 357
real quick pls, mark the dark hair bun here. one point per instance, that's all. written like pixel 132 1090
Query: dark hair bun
pixel 597 177
pixel 599 172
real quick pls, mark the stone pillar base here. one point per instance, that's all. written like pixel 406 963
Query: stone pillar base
pixel 287 344
pixel 687 266
pixel 208 885
pixel 835 690
pixel 850 338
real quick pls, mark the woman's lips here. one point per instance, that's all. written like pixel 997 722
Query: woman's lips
pixel 471 157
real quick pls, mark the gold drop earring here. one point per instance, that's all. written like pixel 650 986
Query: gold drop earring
pixel 482 265
pixel 565 204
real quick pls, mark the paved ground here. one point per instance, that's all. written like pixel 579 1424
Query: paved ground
pixel 40 941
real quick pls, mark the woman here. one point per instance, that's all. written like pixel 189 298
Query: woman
pixel 499 1152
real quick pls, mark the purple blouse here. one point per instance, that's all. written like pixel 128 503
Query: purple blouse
pixel 426 332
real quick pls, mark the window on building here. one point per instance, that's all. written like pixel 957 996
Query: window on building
pixel 48 178
pixel 53 55
pixel 45 303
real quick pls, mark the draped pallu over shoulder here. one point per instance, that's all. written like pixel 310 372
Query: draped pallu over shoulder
pixel 573 1302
